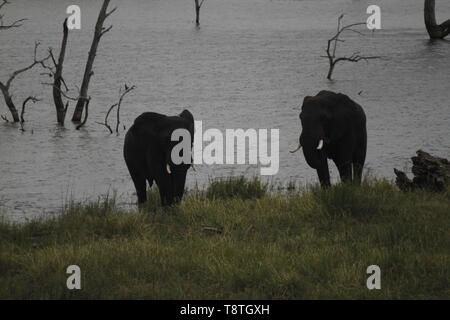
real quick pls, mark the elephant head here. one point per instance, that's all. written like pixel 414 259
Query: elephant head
pixel 315 118
pixel 177 146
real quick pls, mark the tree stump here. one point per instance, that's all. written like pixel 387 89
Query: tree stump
pixel 430 173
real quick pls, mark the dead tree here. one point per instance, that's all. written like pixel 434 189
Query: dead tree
pixel 332 46
pixel 99 32
pixel 58 80
pixel 122 95
pixel 436 31
pixel 55 72
pixel 14 24
pixel 6 86
pixel 198 5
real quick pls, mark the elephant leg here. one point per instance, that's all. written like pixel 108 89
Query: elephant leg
pixel 140 185
pixel 179 183
pixel 165 190
pixel 343 159
pixel 358 164
pixel 359 156
pixel 357 172
pixel 136 168
pixel 345 171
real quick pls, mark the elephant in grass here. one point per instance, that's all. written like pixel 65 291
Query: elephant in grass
pixel 148 155
pixel 334 127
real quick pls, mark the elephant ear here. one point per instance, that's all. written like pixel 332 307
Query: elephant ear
pixel 306 101
pixel 336 119
pixel 184 121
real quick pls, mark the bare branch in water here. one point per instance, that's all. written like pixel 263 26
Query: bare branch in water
pixel 5 86
pixel 332 46
pixel 118 104
pixel 14 24
pixel 22 113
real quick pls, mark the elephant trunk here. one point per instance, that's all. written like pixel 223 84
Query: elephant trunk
pixel 324 173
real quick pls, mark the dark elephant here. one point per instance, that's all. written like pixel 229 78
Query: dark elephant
pixel 148 154
pixel 334 127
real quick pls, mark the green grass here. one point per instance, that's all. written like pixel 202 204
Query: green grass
pixel 237 240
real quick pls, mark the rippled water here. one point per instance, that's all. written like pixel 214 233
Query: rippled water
pixel 249 65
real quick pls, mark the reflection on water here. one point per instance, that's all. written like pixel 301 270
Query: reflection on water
pixel 249 65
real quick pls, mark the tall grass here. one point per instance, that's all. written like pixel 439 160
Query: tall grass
pixel 236 187
pixel 236 240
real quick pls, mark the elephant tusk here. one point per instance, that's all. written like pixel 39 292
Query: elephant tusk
pixel 320 146
pixel 168 169
pixel 295 150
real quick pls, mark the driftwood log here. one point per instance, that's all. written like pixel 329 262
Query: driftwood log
pixel 430 173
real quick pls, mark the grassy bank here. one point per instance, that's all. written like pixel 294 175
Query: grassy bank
pixel 236 240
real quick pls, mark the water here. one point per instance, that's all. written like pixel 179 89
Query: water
pixel 249 65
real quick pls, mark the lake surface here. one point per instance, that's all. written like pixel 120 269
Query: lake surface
pixel 248 66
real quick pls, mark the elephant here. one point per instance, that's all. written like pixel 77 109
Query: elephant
pixel 333 127
pixel 148 155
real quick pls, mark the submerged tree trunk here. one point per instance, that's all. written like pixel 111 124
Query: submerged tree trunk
pixel 99 32
pixel 57 95
pixel 434 30
pixel 197 14
pixel 330 70
pixel 10 103
pixel 198 5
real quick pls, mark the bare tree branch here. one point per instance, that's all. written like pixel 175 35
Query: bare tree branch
pixel 14 24
pixel 111 12
pixel 106 118
pixel 5 87
pixel 35 62
pixel 332 47
pixel 22 113
pixel 3 3
pixel 64 94
pixel 105 30
pixel 118 104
